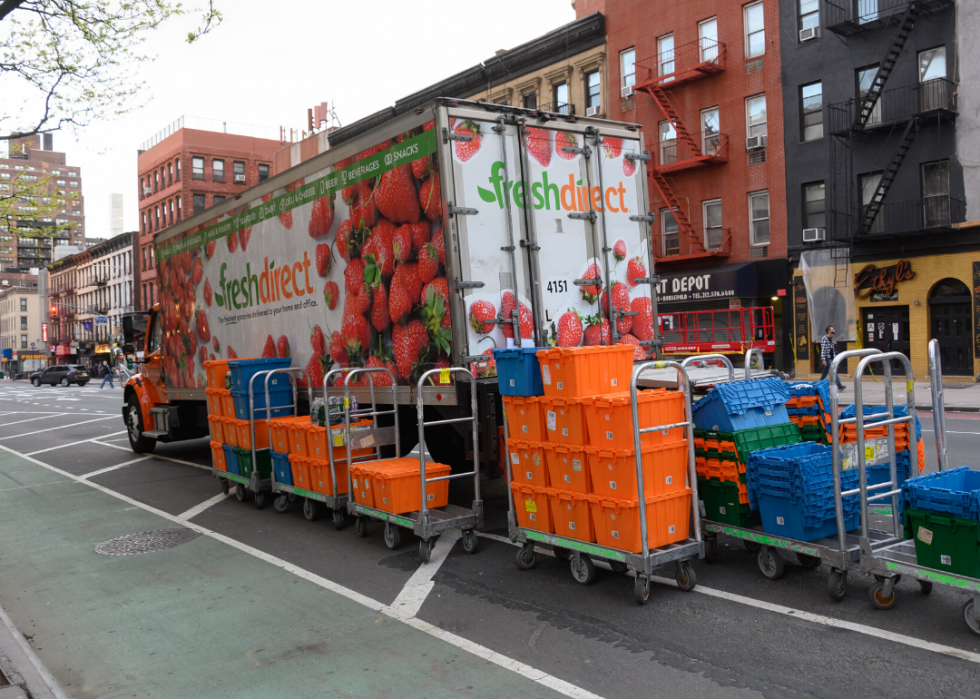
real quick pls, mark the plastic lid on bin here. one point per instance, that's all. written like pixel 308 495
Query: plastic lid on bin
pixel 568 495
pixel 741 396
pixel 398 470
pixel 514 352
pixel 606 452
pixel 623 399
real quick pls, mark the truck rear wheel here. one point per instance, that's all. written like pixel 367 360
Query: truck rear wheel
pixel 134 428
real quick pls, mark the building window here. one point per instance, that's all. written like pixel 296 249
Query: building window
pixel 935 194
pixel 218 199
pixel 172 219
pixel 156 181
pixel 708 38
pixel 710 131
pixel 198 203
pixel 177 166
pixel 627 63
pixel 23 341
pixel 197 168
pixel 814 205
pixel 665 54
pixel 755 115
pixel 932 70
pixel 811 111
pixel 865 78
pixel 759 217
pixel 170 174
pixel 23 322
pixel 218 170
pixel 530 100
pixel 239 169
pixel 713 233
pixel 668 143
pixel 593 90
pixel 561 98
pixel 23 304
pixel 809 14
pixel 869 185
pixel 755 30
pixel 263 172
pixel 670 232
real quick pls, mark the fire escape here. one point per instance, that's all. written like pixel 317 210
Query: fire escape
pixel 686 151
pixel 877 114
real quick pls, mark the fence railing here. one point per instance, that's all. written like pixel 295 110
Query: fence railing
pixel 896 105
pixel 680 63
pixel 710 144
pixel 713 242
pixel 912 216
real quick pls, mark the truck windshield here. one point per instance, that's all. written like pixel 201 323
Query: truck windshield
pixel 156 331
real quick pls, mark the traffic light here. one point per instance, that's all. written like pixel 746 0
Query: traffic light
pixel 54 311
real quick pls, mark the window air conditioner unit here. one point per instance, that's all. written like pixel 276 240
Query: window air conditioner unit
pixel 814 235
pixel 809 33
pixel 147 190
pixel 591 111
pixel 239 178
pixel 627 91
pixel 755 142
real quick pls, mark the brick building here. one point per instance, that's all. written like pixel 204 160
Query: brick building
pixel 186 168
pixel 703 79
pixel 32 158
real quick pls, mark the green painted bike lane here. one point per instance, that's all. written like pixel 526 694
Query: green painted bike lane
pixel 203 619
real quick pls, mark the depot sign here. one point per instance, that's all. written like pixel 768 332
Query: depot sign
pixel 729 281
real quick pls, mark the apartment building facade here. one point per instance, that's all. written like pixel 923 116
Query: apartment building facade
pixel 21 337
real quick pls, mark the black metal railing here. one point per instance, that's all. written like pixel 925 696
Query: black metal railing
pixel 861 14
pixel 898 218
pixel 558 108
pixel 896 105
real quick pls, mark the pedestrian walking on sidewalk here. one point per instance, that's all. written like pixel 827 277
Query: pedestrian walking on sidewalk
pixel 827 353
pixel 106 375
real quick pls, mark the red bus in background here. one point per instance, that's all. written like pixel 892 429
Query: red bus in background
pixel 726 331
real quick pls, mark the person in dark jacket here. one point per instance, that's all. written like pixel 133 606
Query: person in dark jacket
pixel 106 375
pixel 827 353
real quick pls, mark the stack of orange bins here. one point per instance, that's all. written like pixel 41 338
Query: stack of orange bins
pixel 580 480
pixel 220 408
pixel 395 485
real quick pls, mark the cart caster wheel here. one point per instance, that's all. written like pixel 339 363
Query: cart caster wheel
pixel 291 498
pixel 617 566
pixel 711 549
pixel 312 510
pixel 470 541
pixel 771 563
pixel 877 594
pixel 685 576
pixel 393 536
pixel 281 504
pixel 808 562
pixel 751 545
pixel 261 499
pixel 562 554
pixel 361 527
pixel 583 569
pixel 225 488
pixel 241 493
pixel 338 519
pixel 926 587
pixel 971 615
pixel 641 589
pixel 425 549
pixel 526 557
pixel 837 584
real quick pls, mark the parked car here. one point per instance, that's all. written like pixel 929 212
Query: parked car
pixel 64 374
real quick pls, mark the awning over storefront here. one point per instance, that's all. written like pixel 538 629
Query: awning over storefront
pixel 739 280
pixel 62 350
pixel 7 354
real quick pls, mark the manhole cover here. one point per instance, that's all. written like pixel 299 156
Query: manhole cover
pixel 145 542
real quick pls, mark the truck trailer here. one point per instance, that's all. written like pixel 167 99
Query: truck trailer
pixel 425 241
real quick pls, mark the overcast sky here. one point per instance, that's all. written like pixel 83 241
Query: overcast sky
pixel 269 62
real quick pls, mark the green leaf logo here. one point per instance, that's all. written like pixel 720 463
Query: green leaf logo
pixel 486 195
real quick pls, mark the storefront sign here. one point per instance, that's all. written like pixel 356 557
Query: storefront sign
pixel 31 355
pixel 976 309
pixel 800 321
pixel 101 320
pixel 62 350
pixel 879 284
pixel 102 349
pixel 728 281
pixel 44 332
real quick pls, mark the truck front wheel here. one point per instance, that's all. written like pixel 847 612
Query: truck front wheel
pixel 134 428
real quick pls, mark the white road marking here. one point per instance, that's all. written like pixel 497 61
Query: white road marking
pixel 198 509
pixel 799 614
pixel 44 417
pixel 113 468
pixel 59 427
pixel 46 676
pixel 72 444
pixel 950 431
pixel 410 599
pixel 498 659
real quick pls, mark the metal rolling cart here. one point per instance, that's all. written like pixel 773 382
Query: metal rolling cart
pixel 581 553
pixel 427 523
pixel 887 559
pixel 838 552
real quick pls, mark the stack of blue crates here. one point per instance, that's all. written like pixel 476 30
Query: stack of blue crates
pixel 903 463
pixel 820 389
pixel 280 391
pixel 793 489
pixel 955 492
pixel 743 405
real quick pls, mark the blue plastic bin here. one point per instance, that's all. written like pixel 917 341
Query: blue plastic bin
pixel 880 473
pixel 242 370
pixel 781 517
pixel 801 472
pixel 231 459
pixel 821 389
pixel 743 405
pixel 955 492
pixel 871 410
pixel 282 469
pixel 281 400
pixel 518 371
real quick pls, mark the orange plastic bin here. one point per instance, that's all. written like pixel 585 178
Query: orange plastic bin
pixel 610 418
pixel 218 456
pixel 321 480
pixel 525 418
pixel 579 372
pixel 527 462
pixel 300 466
pixel 214 425
pixel 565 421
pixel 613 471
pixel 245 434
pixel 362 480
pixel 316 441
pixel 533 507
pixel 617 522
pixel 571 514
pixel 227 403
pixel 568 467
pixel 398 486
pixel 216 370
pixel 297 437
pixel 280 431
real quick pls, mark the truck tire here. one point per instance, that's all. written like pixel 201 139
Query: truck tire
pixel 134 428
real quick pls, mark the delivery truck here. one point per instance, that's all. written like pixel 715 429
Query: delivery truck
pixel 422 240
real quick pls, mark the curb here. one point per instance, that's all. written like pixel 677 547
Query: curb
pixel 21 664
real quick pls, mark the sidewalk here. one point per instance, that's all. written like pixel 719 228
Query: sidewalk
pixel 962 397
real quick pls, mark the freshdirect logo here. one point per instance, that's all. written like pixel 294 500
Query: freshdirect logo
pixel 573 196
pixel 270 285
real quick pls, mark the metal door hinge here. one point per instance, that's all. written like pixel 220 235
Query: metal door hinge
pixel 588 216
pixel 529 245
pixel 647 280
pixel 644 156
pixel 448 135
pixel 460 284
pixel 461 211
pixel 646 218
pixel 586 151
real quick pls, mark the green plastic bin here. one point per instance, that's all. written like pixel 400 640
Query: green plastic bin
pixel 950 544
pixel 721 503
pixel 245 462
pixel 748 441
pixel 812 433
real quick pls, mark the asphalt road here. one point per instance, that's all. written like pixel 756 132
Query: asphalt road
pixel 736 635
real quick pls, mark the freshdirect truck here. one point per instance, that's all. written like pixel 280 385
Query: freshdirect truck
pixel 425 241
